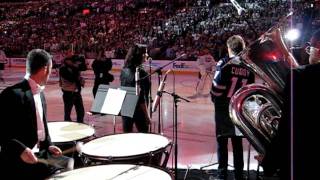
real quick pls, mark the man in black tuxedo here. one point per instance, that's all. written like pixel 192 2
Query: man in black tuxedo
pixel 300 127
pixel 26 148
pixel 293 150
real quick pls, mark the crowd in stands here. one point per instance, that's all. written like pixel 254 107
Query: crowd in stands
pixel 168 27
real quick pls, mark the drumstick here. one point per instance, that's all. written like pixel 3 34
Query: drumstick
pixel 44 161
pixel 51 163
pixel 78 148
pixel 47 162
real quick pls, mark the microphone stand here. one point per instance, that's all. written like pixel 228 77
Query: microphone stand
pixel 160 104
pixel 159 72
pixel 240 10
pixel 176 99
pixel 159 69
pixel 150 93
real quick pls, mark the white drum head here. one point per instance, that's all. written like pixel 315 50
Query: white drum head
pixel 124 145
pixel 61 132
pixel 115 172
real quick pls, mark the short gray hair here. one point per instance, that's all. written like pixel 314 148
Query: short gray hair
pixel 37 59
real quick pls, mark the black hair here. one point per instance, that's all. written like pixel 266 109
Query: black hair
pixel 315 38
pixel 78 59
pixel 134 56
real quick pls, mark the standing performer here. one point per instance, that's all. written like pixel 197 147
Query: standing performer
pixel 24 136
pixel 134 58
pixel 229 77
pixel 101 67
pixel 291 150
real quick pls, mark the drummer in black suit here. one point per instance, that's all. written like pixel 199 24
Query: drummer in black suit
pixel 25 145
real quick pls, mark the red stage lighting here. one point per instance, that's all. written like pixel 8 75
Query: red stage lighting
pixel 271 56
pixel 86 11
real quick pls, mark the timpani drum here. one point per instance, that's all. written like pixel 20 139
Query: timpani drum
pixel 64 132
pixel 128 148
pixel 115 171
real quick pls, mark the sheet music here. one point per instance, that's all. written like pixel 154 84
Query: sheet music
pixel 113 102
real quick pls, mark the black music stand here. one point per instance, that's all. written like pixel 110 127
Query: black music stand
pixel 128 103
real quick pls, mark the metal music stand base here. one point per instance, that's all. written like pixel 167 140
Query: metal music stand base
pixel 176 99
pixel 114 124
pixel 212 164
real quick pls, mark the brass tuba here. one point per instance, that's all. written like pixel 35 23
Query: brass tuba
pixel 256 109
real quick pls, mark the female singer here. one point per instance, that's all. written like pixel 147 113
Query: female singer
pixel 132 67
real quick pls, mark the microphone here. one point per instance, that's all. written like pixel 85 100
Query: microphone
pixel 238 7
pixel 137 78
pixel 141 45
pixel 149 59
pixel 181 56
pixel 159 92
pixel 147 65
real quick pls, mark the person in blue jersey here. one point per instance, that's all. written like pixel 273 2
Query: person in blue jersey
pixel 230 76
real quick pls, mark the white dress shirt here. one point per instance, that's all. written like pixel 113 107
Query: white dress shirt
pixel 36 89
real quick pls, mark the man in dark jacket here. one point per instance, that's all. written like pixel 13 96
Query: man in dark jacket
pixel 71 83
pixel 25 145
pixel 300 123
pixel 101 67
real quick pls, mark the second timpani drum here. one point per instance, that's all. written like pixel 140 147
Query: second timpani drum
pixel 63 132
pixel 132 148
